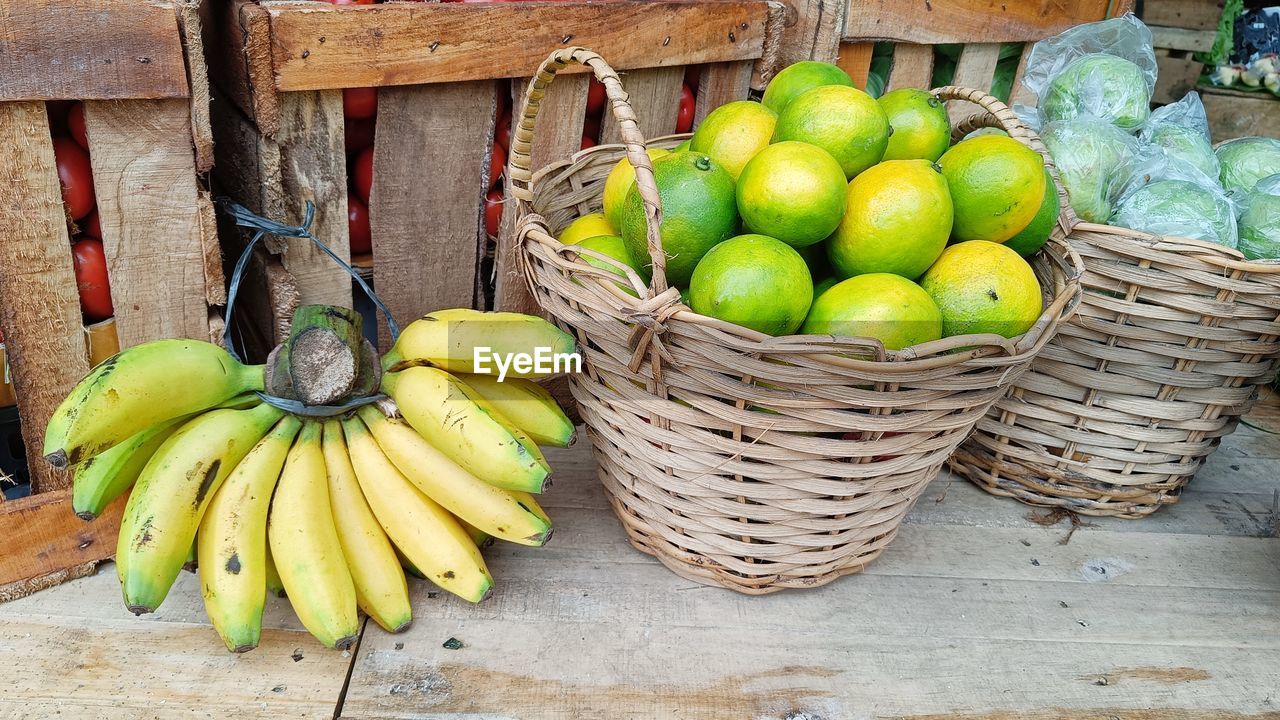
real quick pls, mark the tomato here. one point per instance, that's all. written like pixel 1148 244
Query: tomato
pixel 493 211
pixel 692 74
pixel 357 135
pixel 595 96
pixel 92 225
pixel 362 174
pixel 358 226
pixel 502 133
pixel 360 103
pixel 75 124
pixel 591 127
pixel 586 143
pixel 684 118
pixel 496 164
pixel 91 279
pixel 76 177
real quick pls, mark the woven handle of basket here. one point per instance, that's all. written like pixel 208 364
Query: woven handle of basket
pixel 519 170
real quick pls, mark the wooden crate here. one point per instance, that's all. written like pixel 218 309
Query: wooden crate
pixel 137 65
pixel 279 68
pixel 1179 30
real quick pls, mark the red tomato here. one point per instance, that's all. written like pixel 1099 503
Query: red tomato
pixel 362 174
pixel 502 133
pixel 357 135
pixel 358 226
pixel 91 279
pixel 684 119
pixel 595 96
pixel 75 175
pixel 692 74
pixel 75 124
pixel 493 211
pixel 591 127
pixel 360 103
pixel 587 142
pixel 92 225
pixel 496 164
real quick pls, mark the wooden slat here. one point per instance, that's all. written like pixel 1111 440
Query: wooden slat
pixel 1019 94
pixel 39 303
pixel 855 59
pixel 655 96
pixel 193 45
pixel 44 538
pixel 1190 14
pixel 215 281
pixel 426 205
pixel 912 67
pixel 1239 114
pixel 148 201
pixel 721 83
pixel 90 50
pixel 812 31
pixel 313 167
pixel 1175 77
pixel 982 21
pixel 975 69
pixel 238 36
pixel 1174 38
pixel 319 46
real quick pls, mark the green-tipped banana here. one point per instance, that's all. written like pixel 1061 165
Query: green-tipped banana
pixel 103 478
pixel 528 406
pixel 233 540
pixel 172 493
pixel 459 422
pixel 449 339
pixel 275 586
pixel 140 387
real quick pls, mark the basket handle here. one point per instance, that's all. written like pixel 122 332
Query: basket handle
pixel 520 174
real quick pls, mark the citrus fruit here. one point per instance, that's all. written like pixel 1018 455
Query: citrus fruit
pixel 921 128
pixel 614 247
pixel 587 226
pixel 619 183
pixel 795 79
pixel 844 121
pixel 698 211
pixel 754 281
pixel 997 187
pixel 983 287
pixel 682 146
pixel 889 308
pixel 1034 236
pixel 732 134
pixel 897 220
pixel 792 191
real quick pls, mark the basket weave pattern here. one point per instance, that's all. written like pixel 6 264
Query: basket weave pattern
pixel 738 459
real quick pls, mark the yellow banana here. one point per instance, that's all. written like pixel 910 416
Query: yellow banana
pixel 528 406
pixel 381 590
pixel 306 549
pixel 192 563
pixel 529 503
pixel 103 478
pixel 481 538
pixel 141 387
pixel 274 585
pixel 426 533
pixel 463 426
pixel 232 542
pixel 409 568
pixel 172 493
pixel 449 339
pixel 491 509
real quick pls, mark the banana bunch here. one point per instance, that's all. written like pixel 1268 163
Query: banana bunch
pixel 328 511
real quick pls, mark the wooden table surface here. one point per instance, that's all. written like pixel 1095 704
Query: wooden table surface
pixel 975 612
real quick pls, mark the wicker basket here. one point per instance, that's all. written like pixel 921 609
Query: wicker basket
pixel 751 462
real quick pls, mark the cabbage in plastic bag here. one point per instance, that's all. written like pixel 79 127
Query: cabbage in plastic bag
pixel 1095 160
pixel 1182 129
pixel 1182 208
pixel 1247 160
pixel 1259 220
pixel 1106 69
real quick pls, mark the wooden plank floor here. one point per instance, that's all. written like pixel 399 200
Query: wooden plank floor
pixel 974 613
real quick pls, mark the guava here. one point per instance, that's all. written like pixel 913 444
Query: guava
pixel 1094 160
pixel 1247 160
pixel 1179 208
pixel 1104 86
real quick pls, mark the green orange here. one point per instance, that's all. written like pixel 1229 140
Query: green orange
pixel 795 79
pixel 889 308
pixel 613 247
pixel 1034 236
pixel 846 122
pixel 733 133
pixel 620 181
pixel 897 220
pixel 921 128
pixel 754 281
pixel 587 226
pixel 791 191
pixel 983 287
pixel 997 186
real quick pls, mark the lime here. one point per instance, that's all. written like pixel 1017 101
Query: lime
pixel 682 146
pixel 754 281
pixel 792 191
pixel 983 287
pixel 619 183
pixel 795 79
pixel 897 220
pixel 997 187
pixel 732 134
pixel 890 308
pixel 698 211
pixel 587 226
pixel 1034 236
pixel 613 247
pixel 844 121
pixel 921 129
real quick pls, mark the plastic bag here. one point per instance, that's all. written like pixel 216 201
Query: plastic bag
pixel 1165 196
pixel 1259 220
pixel 1245 161
pixel 1105 69
pixel 1095 160
pixel 1182 130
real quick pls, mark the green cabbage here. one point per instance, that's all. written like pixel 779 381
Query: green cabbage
pixel 1245 161
pixel 1187 146
pixel 1260 220
pixel 1180 208
pixel 1105 86
pixel 1094 160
